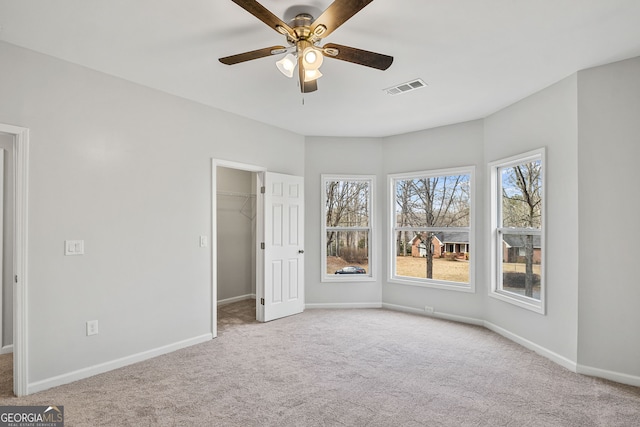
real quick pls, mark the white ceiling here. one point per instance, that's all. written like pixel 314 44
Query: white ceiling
pixel 477 56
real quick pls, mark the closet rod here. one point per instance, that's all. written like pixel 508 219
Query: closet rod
pixel 234 194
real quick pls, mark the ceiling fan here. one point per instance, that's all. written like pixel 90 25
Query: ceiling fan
pixel 303 37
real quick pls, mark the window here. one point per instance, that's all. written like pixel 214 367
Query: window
pixel 432 229
pixel 517 220
pixel 348 240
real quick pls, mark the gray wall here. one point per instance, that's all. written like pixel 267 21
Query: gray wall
pixel 589 125
pixel 444 147
pixel 6 143
pixel 236 233
pixel 349 156
pixel 127 169
pixel 545 119
pixel 609 151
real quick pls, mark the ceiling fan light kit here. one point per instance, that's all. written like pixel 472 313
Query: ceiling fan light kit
pixel 304 36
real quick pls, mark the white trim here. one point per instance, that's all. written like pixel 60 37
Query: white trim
pixel 609 375
pixel 215 163
pixel 237 165
pixel 236 299
pixel 434 283
pixel 495 249
pixel 554 357
pixel 542 351
pixel 371 275
pixel 114 364
pixel 7 349
pixel 20 286
pixel 438 315
pixel 344 305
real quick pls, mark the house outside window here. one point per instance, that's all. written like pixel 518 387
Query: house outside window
pixel 517 223
pixel 431 227
pixel 347 233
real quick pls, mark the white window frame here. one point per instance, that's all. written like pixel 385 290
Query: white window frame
pixel 370 276
pixel 496 251
pixel 393 229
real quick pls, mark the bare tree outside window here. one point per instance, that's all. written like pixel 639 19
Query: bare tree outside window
pixel 517 230
pixel 347 223
pixel 432 215
pixel 522 209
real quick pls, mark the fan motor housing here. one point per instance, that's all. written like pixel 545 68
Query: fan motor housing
pixel 301 25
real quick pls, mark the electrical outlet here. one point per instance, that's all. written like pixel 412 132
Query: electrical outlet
pixel 428 309
pixel 92 327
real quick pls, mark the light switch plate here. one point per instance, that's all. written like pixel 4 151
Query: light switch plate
pixel 74 247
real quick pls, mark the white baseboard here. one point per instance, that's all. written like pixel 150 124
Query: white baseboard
pixel 114 364
pixel 6 349
pixel 560 360
pixel 236 299
pixel 444 316
pixel 609 375
pixel 344 305
pixel 554 357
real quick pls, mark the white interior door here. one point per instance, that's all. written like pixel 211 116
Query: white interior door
pixel 281 292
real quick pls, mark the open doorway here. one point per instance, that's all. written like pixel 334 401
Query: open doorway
pixel 6 264
pixel 277 266
pixel 236 225
pixel 14 143
pixel 236 242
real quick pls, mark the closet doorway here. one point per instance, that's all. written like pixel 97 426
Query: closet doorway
pixel 14 141
pixel 236 235
pixel 6 247
pixel 258 240
pixel 236 227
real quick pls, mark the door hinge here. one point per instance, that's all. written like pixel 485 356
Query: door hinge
pixel 16 278
pixel 263 190
pixel 261 301
pixel 261 245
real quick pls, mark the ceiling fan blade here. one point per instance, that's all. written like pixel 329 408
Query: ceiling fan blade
pixel 263 14
pixel 357 56
pixel 336 14
pixel 305 87
pixel 254 54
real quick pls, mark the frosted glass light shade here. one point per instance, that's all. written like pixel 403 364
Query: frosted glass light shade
pixel 310 75
pixel 287 64
pixel 312 58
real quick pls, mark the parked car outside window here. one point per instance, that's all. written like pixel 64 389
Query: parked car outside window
pixel 351 270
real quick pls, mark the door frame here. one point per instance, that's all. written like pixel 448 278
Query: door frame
pixel 20 286
pixel 214 232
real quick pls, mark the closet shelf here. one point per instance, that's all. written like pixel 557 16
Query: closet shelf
pixel 247 212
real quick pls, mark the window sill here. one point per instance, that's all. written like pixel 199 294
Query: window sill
pixel 347 278
pixel 434 284
pixel 520 301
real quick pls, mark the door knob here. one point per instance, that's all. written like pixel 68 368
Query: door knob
pixel 301 251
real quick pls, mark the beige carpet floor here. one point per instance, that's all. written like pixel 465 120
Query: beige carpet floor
pixel 344 368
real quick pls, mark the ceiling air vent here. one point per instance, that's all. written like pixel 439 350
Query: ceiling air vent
pixel 405 87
